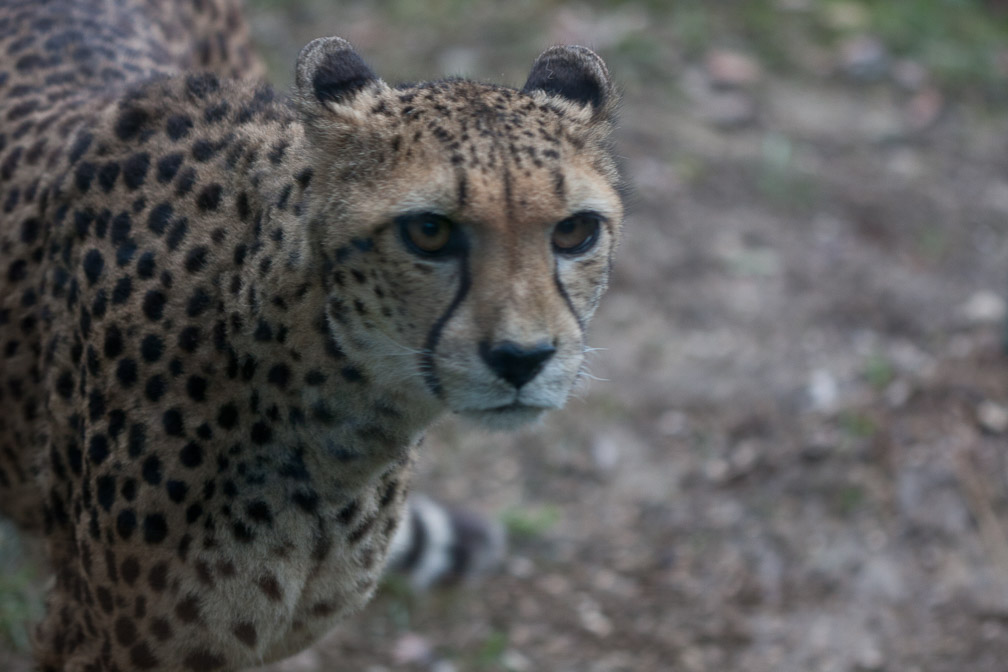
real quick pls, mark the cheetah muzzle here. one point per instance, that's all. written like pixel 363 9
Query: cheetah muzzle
pixel 227 318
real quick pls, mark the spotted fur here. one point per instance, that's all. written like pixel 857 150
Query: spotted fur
pixel 220 346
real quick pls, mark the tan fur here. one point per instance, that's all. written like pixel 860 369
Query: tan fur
pixel 219 353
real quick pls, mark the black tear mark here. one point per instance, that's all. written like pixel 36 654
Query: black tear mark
pixel 427 356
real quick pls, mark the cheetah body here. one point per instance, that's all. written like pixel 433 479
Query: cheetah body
pixel 220 348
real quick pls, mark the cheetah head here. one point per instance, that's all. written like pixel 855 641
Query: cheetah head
pixel 465 230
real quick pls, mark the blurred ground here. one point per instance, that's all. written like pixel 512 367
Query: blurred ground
pixel 798 459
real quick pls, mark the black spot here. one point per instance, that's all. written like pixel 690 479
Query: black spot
pixel 120 228
pixel 304 177
pixel 177 233
pixel 177 491
pixel 99 304
pixel 261 433
pixel 113 342
pixel 201 85
pixel 209 197
pixel 135 170
pixel 131 120
pixel 351 374
pixel 196 388
pixel 152 347
pixel 146 265
pixel 155 388
pixel 155 528
pixel 126 371
pixel 279 375
pixel 122 290
pixel 153 305
pixel 227 417
pixel 203 150
pixel 98 449
pixel 106 491
pixel 96 405
pixel 137 440
pixel 152 470
pixel 126 523
pixel 178 126
pixel 242 206
pixel 308 501
pixel 263 331
pixel 314 377
pixel 167 166
pixel 189 338
pixel 185 182
pixel 196 259
pixel 216 113
pixel 259 512
pixel 130 570
pixel 107 175
pixel 80 146
pixel 65 384
pixel 172 422
pixel 159 218
pixel 17 271
pixel 93 265
pixel 198 302
pixel 191 455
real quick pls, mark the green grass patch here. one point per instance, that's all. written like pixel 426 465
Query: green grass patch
pixel 530 522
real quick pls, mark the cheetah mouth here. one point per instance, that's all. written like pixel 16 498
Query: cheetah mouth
pixel 506 416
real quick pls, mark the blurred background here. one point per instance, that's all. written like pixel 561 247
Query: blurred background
pixel 797 455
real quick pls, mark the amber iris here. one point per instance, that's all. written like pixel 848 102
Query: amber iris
pixel 428 233
pixel 576 234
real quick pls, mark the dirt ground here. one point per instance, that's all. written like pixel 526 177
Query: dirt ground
pixel 796 456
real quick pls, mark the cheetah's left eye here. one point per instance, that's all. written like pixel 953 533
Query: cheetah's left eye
pixel 576 234
pixel 428 234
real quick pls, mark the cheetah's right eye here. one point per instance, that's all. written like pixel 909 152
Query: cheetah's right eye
pixel 429 234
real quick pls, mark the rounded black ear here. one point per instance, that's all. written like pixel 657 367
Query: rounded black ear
pixel 574 73
pixel 329 70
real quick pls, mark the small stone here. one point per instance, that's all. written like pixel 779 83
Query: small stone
pixel 897 393
pixel 515 661
pixel 863 57
pixel 716 470
pixel 924 109
pixel 673 423
pixel 993 417
pixel 870 659
pixel 592 619
pixel 822 390
pixel 984 307
pixel 909 74
pixel 729 109
pixel 846 15
pixel 731 69
pixel 606 453
pixel 412 648
pixel 744 458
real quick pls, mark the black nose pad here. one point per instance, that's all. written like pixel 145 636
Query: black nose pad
pixel 517 364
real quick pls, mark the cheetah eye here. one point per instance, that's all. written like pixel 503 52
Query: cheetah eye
pixel 576 234
pixel 429 234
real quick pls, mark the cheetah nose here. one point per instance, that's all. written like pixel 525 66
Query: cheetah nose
pixel 516 363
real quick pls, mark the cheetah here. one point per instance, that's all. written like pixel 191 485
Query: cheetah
pixel 227 317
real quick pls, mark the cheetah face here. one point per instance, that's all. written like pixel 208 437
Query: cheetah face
pixel 471 227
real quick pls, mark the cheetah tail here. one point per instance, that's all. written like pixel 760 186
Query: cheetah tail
pixel 439 545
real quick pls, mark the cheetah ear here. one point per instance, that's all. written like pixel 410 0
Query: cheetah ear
pixel 576 74
pixel 330 73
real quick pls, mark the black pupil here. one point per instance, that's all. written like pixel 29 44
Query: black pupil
pixel 430 228
pixel 567 226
